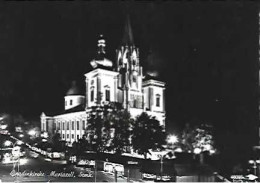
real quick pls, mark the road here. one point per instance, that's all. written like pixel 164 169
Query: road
pixel 43 170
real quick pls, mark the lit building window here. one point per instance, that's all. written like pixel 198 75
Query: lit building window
pixel 72 125
pixel 107 95
pixel 77 125
pixel 158 100
pixel 70 102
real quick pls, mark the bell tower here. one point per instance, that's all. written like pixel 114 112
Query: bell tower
pixel 130 71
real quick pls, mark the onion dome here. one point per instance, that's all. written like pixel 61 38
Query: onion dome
pixel 100 60
pixel 74 89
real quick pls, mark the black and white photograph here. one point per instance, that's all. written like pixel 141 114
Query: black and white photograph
pixel 130 91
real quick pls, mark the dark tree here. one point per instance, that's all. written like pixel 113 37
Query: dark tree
pixel 198 138
pixel 109 128
pixel 147 134
pixel 120 128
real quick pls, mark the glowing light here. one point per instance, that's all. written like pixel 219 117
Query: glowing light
pixel 172 139
pixel 212 151
pixel 23 161
pixel 251 161
pixel 197 150
pixel 21 135
pixel 32 132
pixel 8 143
pixel 3 127
pixel 19 142
pixel 178 150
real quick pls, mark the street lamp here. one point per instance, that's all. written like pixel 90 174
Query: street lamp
pixel 172 139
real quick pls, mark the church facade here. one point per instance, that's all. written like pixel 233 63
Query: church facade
pixel 121 81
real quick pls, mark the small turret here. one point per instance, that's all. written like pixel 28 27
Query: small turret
pixel 100 60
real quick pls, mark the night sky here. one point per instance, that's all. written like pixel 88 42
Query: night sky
pixel 207 54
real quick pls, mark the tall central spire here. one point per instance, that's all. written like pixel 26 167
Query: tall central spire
pixel 128 38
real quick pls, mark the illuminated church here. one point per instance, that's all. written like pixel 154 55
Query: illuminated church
pixel 121 81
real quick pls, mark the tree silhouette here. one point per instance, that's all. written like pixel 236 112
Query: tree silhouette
pixel 120 126
pixel 197 137
pixel 109 128
pixel 147 134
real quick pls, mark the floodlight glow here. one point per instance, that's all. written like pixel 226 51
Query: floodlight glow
pixel 172 139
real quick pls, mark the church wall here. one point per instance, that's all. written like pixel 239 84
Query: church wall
pixel 108 83
pixel 71 127
pixel 72 101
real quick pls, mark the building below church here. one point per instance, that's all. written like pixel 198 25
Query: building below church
pixel 121 82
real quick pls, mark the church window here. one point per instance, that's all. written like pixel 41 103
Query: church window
pixel 92 95
pixel 72 125
pixel 63 136
pixel 77 125
pixel 134 79
pixel 70 102
pixel 107 95
pixel 68 125
pixel 58 126
pixel 158 100
pixel 68 136
pixel 72 136
pixel 63 126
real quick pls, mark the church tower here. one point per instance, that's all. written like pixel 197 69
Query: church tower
pixel 101 85
pixel 130 71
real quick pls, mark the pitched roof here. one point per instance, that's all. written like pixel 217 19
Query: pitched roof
pixel 78 108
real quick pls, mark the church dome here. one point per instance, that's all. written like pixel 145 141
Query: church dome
pixel 101 60
pixel 74 89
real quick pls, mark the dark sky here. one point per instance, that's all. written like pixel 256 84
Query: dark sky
pixel 207 54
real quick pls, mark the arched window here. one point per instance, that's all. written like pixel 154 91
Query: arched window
pixel 72 125
pixel 107 93
pixel 92 94
pixel 77 125
pixel 68 125
pixel 158 98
